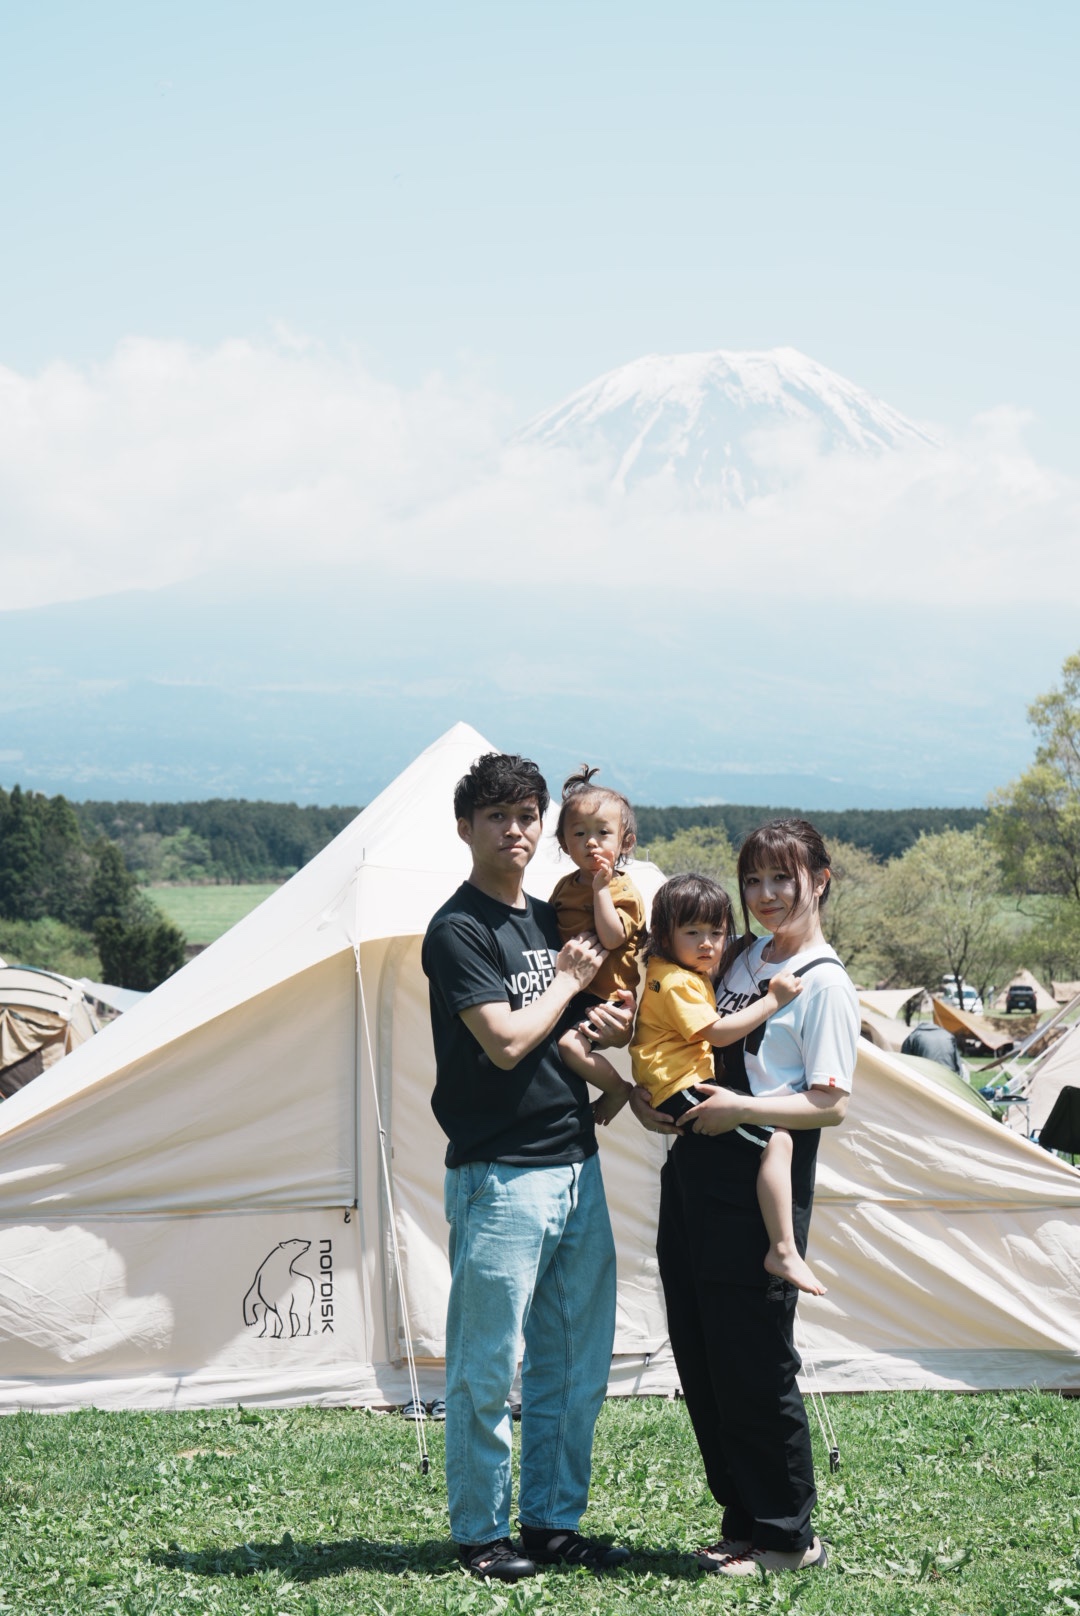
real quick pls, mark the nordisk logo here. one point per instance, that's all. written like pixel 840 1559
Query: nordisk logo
pixel 326 1286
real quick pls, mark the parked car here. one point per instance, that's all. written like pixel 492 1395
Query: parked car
pixel 963 996
pixel 1020 997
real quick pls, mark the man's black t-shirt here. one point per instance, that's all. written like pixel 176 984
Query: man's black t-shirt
pixel 480 951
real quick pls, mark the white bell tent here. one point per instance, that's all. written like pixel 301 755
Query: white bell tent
pixel 194 1211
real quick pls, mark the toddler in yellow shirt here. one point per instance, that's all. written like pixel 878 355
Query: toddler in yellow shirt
pixel 597 828
pixel 678 1028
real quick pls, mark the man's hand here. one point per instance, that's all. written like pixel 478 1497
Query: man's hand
pixel 655 1121
pixel 722 1112
pixel 611 1025
pixel 581 958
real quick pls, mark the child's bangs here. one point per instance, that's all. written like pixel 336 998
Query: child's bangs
pixel 703 908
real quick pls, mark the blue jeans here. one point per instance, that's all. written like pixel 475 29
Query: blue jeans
pixel 531 1253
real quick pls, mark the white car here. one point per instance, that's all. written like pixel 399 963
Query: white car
pixel 963 997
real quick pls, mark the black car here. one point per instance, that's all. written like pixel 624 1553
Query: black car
pixel 1019 997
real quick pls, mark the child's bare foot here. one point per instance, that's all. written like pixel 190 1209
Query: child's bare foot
pixel 786 1263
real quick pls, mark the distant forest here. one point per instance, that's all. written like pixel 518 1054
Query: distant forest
pixel 236 841
pixel 884 832
pixel 222 840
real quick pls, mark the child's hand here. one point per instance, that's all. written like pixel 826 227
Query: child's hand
pixel 603 868
pixel 785 987
pixel 610 1104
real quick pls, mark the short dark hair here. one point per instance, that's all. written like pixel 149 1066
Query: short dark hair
pixel 579 794
pixel 681 901
pixel 499 777
pixel 792 845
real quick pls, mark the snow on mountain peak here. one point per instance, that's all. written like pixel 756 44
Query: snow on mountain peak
pixel 698 419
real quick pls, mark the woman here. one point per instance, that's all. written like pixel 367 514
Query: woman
pixel 732 1324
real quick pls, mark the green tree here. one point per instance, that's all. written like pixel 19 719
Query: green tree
pixel 22 858
pixel 1035 821
pixel 852 916
pixel 140 950
pixel 941 912
pixel 113 889
pixel 138 946
pixel 698 850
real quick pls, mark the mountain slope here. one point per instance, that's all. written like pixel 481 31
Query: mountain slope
pixel 725 423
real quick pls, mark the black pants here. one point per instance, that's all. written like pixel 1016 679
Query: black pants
pixel 734 1349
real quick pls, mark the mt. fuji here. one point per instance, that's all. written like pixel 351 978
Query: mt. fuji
pixel 723 424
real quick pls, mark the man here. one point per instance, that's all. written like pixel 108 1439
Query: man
pixel 531 1251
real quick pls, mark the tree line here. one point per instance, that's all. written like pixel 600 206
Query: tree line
pixel 884 832
pixel 222 840
pixel 64 895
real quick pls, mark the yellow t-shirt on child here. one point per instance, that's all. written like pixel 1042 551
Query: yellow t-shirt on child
pixel 575 909
pixel 667 1051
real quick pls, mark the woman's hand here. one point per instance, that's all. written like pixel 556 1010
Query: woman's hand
pixel 722 1112
pixel 655 1121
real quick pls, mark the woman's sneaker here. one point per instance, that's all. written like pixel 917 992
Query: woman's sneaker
pixel 757 1560
pixel 569 1548
pixel 497 1559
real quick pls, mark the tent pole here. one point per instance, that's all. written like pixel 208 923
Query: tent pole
pixel 369 1053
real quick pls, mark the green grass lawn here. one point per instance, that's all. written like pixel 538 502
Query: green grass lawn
pixel 961 1505
pixel 203 913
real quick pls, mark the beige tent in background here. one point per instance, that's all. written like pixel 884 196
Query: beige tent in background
pixel 966 1025
pixel 196 1207
pixel 1044 1000
pixel 879 1010
pixel 43 1017
pixel 1057 1068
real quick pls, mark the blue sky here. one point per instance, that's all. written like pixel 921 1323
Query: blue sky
pixel 534 194
pixel 278 282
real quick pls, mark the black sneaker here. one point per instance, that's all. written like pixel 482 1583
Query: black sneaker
pixel 571 1549
pixel 497 1559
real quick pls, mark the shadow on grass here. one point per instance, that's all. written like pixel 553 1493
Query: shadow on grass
pixel 305 1562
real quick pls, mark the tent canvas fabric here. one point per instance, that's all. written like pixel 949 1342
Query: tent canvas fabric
pixel 967 1025
pixel 882 1030
pixel 43 1017
pixel 889 1001
pixel 193 1210
pixel 1056 1069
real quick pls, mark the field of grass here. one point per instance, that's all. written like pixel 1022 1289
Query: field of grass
pixel 204 912
pixel 944 1506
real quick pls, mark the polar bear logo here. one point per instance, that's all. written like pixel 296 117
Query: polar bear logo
pixel 281 1292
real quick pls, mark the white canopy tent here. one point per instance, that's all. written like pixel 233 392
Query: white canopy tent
pixel 192 1207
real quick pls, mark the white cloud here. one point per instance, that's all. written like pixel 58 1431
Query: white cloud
pixel 169 462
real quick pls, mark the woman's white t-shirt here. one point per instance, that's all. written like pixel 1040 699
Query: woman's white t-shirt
pixel 811 1042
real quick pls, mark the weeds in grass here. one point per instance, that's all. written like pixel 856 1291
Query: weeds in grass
pixel 945 1506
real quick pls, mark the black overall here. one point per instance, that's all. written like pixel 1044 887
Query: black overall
pixel 732 1326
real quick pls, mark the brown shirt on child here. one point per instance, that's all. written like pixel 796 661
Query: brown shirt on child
pixel 574 908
